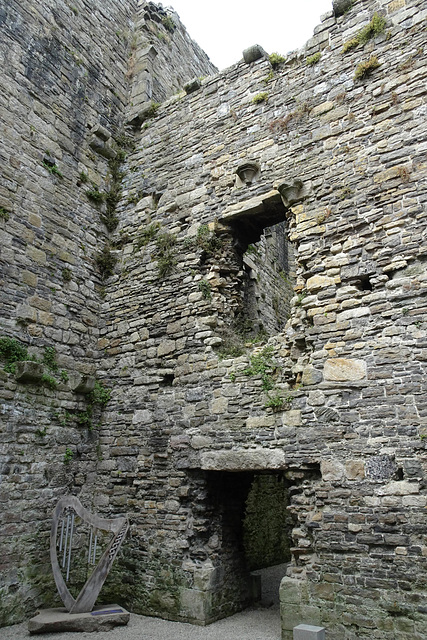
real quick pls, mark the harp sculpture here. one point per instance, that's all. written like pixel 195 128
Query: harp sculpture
pixel 79 615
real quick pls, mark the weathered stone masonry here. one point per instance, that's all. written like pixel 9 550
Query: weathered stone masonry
pixel 333 403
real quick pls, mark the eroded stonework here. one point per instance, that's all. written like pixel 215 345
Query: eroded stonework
pixel 270 325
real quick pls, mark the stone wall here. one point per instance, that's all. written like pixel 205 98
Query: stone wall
pixel 333 401
pixel 164 58
pixel 67 75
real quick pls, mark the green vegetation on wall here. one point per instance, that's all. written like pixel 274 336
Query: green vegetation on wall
pixel 267 524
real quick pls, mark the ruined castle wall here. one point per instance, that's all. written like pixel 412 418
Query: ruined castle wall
pixel 334 404
pixel 63 72
pixel 164 57
pixel 347 157
pixel 67 78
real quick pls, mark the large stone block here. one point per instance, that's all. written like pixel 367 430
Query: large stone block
pixel 102 618
pixel 309 632
pixel 344 370
pixel 242 460
pixel 28 371
pixel 341 6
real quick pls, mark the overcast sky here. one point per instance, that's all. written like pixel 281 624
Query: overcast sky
pixel 224 28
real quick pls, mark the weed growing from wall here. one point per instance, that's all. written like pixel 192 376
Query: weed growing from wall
pixel 169 24
pixel 49 381
pixel 165 253
pixel 276 60
pixel 262 364
pixel 147 235
pixel 205 288
pixel 260 98
pixel 4 215
pixel 314 59
pixel 12 351
pixel 66 274
pixel 374 28
pixel 105 261
pixel 95 195
pixel 68 455
pixel 208 241
pixel 364 69
pixel 52 168
pixel 89 418
pixel 277 402
pixel 49 358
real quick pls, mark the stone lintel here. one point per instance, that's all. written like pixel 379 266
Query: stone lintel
pixel 250 207
pixel 242 460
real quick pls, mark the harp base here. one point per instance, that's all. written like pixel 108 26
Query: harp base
pixel 101 618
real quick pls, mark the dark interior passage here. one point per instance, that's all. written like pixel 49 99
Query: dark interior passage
pixel 255 531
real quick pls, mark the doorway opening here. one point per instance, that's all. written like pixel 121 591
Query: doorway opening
pixel 254 529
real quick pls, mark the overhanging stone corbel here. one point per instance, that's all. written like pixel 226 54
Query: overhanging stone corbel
pixel 294 192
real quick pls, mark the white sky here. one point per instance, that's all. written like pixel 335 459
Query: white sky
pixel 224 28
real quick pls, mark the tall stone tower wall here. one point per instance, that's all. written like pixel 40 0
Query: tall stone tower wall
pixel 68 72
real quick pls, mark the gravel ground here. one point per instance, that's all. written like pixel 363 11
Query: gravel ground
pixel 258 623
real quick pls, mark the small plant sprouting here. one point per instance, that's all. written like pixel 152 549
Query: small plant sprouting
pixel 276 59
pixel 12 351
pixel 260 98
pixel 300 298
pixel 66 274
pixel 105 260
pixel 166 261
pixel 95 195
pixel 152 110
pixel 277 402
pixel 49 381
pixel 147 234
pixel 207 240
pixel 49 358
pixel 364 69
pixel 169 24
pixel 4 215
pixel 100 394
pixel 314 59
pixel 68 455
pixel 63 418
pixel 52 168
pixel 262 364
pixel 83 178
pixel 232 376
pixel 41 432
pixel 205 288
pixel 64 375
pixel 375 27
pixel 346 192
pixel 269 77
